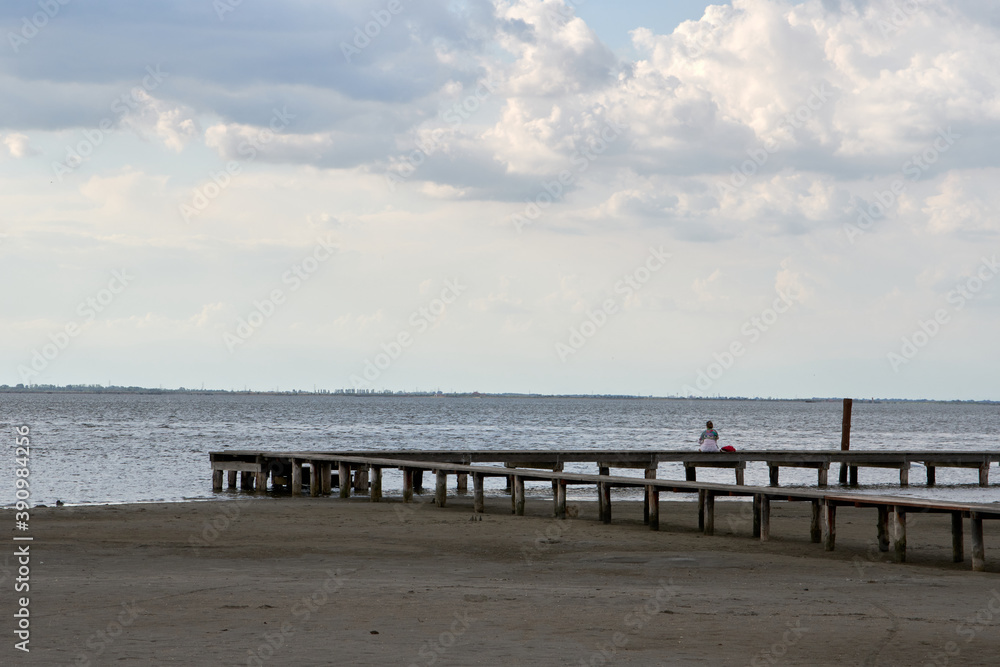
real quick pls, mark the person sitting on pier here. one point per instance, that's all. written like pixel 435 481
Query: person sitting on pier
pixel 709 440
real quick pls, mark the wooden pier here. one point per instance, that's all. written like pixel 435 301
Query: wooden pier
pixel 363 472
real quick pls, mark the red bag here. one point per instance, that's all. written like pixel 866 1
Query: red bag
pixel 727 448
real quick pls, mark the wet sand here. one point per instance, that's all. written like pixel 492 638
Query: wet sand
pixel 326 581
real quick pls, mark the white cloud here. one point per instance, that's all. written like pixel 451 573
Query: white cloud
pixel 18 146
pixel 174 125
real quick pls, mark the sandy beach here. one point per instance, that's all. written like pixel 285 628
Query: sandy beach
pixel 327 581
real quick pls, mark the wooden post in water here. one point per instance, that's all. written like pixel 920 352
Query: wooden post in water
pixel 441 488
pixel 217 479
pixel 407 485
pixel 772 473
pixel 756 515
pixel 845 436
pixel 296 477
pixel 984 474
pixel 344 473
pixel 260 483
pixel 376 484
pixel 957 538
pixel 560 499
pixel 314 484
pixel 418 481
pixel 232 479
pixel 326 478
pixel 519 495
pixel 478 497
pixel 978 546
pixel 701 509
pixel 361 479
pixel 931 480
pixel 463 482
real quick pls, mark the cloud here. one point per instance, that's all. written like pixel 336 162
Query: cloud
pixel 174 125
pixel 18 146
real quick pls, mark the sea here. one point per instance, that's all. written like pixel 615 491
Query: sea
pixel 105 448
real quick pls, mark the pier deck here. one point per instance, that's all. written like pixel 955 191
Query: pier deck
pixel 286 468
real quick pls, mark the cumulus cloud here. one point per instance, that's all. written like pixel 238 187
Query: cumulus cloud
pixel 174 125
pixel 18 146
pixel 966 203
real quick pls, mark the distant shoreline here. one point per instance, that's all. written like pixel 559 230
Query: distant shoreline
pixel 350 393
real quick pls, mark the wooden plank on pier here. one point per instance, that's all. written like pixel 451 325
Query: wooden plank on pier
pixel 240 466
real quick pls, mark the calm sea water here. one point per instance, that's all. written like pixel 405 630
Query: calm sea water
pixel 99 448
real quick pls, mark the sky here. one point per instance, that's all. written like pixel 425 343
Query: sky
pixel 762 198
